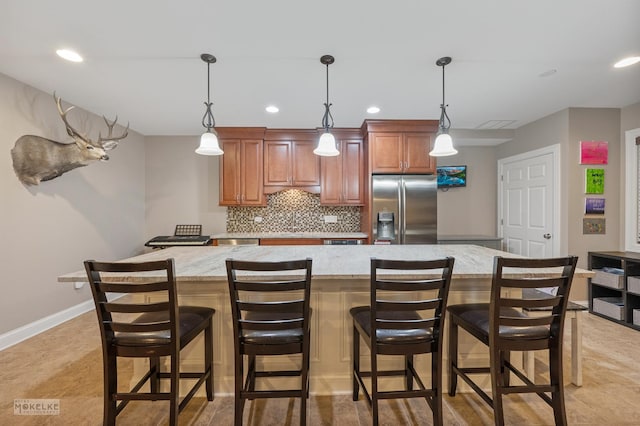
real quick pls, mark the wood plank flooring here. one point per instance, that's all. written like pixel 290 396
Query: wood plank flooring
pixel 65 363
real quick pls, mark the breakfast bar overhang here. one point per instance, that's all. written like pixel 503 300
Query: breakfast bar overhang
pixel 340 280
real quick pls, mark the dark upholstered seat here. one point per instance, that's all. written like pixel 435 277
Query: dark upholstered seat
pixel 405 317
pixel 504 326
pixel 270 309
pixel 475 319
pixel 362 316
pixel 146 322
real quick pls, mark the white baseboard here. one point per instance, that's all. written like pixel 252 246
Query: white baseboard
pixel 19 334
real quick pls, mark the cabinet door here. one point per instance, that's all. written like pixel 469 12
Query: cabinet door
pixel 230 172
pixel 353 178
pixel 331 185
pixel 306 165
pixel 386 152
pixel 416 153
pixel 252 191
pixel 277 163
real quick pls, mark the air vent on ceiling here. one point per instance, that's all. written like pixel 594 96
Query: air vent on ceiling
pixel 496 124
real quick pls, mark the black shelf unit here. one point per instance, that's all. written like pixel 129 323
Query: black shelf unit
pixel 629 262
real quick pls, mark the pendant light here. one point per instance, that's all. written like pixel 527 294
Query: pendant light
pixel 327 143
pixel 443 146
pixel 209 140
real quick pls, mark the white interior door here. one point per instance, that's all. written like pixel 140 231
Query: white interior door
pixel 528 203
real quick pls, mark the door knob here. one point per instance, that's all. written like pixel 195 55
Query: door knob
pixel 547 236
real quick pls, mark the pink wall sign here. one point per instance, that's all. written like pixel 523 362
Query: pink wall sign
pixel 594 152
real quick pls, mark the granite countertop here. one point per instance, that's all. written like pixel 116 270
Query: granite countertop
pixel 329 262
pixel 325 235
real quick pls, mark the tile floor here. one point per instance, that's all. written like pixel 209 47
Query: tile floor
pixel 65 363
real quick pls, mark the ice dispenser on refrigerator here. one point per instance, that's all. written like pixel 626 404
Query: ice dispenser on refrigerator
pixel 386 226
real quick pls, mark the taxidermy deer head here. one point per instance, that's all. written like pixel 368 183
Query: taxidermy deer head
pixel 36 158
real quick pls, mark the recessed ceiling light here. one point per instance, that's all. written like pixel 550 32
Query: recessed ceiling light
pixel 373 110
pixel 631 60
pixel 69 55
pixel 272 109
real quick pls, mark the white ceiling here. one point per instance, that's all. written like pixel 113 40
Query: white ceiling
pixel 142 58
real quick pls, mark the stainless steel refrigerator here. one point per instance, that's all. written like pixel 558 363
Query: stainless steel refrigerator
pixel 405 209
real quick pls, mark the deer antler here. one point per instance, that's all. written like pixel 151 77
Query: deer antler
pixel 111 141
pixel 63 114
pixel 107 143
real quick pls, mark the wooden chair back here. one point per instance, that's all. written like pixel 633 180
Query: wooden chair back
pixel 509 285
pixel 117 315
pixel 409 286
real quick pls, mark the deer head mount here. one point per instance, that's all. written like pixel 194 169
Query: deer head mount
pixel 36 158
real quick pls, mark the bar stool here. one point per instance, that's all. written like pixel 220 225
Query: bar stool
pixel 504 327
pixel 270 310
pixel 147 329
pixel 405 317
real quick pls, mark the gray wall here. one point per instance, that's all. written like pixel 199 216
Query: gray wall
pixel 48 230
pixel 593 124
pixel 471 209
pixel 182 187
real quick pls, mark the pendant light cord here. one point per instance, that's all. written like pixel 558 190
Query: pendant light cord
pixel 444 128
pixel 207 120
pixel 327 114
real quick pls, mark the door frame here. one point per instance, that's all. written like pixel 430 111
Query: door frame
pixel 554 150
pixel 631 199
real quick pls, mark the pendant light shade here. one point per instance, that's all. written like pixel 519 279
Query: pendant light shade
pixel 327 143
pixel 443 145
pixel 209 144
pixel 326 146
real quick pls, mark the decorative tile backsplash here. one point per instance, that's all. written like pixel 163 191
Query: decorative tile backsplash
pixel 293 210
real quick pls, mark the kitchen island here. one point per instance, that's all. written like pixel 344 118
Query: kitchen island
pixel 340 280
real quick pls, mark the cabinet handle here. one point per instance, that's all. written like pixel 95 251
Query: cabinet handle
pixel 401 165
pixel 406 165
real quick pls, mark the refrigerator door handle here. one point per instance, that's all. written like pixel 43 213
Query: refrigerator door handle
pixel 402 192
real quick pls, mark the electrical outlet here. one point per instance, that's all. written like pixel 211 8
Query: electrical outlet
pixel 331 219
pixel 257 219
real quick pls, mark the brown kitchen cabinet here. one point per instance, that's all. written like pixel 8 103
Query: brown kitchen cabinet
pixel 289 161
pixel 241 174
pixel 290 241
pixel 400 146
pixel 343 176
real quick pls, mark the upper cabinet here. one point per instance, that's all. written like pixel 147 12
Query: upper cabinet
pixel 343 176
pixel 289 161
pixel 241 174
pixel 400 146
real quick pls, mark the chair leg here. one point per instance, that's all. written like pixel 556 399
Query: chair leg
pixel 453 356
pixel 505 356
pixel 436 385
pixel 496 366
pixel 356 363
pixel 110 388
pixel 408 364
pixel 174 399
pixel 251 369
pixel 154 380
pixel 304 394
pixel 557 382
pixel 208 359
pixel 238 400
pixel 374 386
